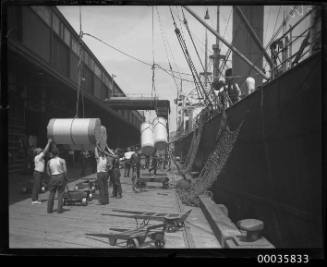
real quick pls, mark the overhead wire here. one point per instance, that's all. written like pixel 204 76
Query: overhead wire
pixel 190 35
pixel 165 48
pixel 139 60
pixel 153 91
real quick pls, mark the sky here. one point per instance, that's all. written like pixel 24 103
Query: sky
pixel 147 32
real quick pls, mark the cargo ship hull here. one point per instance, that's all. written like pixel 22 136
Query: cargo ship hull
pixel 274 170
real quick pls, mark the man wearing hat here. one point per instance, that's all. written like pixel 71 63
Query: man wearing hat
pixel 232 87
pixel 39 166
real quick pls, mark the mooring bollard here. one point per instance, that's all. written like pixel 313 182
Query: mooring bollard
pixel 252 227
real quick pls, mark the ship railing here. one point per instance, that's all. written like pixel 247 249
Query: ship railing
pixel 286 51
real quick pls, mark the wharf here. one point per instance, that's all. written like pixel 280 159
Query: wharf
pixel 85 227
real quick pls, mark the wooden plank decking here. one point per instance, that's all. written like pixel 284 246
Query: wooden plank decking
pixel 84 227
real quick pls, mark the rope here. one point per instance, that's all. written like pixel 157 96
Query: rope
pixel 166 50
pixel 189 33
pixel 275 34
pixel 133 57
pixel 196 77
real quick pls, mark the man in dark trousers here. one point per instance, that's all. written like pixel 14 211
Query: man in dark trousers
pixel 127 162
pixel 136 162
pixel 102 175
pixel 39 166
pixel 154 163
pixel 147 162
pixel 57 170
pixel 116 191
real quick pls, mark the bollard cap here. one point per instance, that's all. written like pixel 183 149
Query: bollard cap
pixel 251 225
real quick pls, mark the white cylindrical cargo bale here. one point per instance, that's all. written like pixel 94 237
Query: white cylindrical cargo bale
pixel 160 135
pixel 250 85
pixel 147 142
pixel 74 131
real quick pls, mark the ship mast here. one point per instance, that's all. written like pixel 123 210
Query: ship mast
pixel 206 73
pixel 216 57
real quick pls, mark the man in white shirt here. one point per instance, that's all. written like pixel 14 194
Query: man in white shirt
pixel 102 175
pixel 39 166
pixel 127 158
pixel 57 170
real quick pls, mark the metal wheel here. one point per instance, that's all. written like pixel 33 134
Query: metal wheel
pixel 157 236
pixel 112 241
pixel 159 243
pixel 180 224
pixel 171 229
pixel 133 243
pixel 84 201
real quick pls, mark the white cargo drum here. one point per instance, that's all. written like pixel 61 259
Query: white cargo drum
pixel 147 142
pixel 250 85
pixel 160 135
pixel 74 131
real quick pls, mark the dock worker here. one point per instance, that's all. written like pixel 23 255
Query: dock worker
pixel 169 162
pixel 116 185
pixel 102 175
pixel 154 164
pixel 147 162
pixel 57 170
pixel 250 85
pixel 127 160
pixel 232 88
pixel 218 86
pixel 136 162
pixel 39 166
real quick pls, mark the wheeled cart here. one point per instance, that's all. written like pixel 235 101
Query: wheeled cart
pixel 75 197
pixel 135 238
pixel 141 182
pixel 172 221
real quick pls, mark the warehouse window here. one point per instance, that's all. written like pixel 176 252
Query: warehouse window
pixel 105 79
pixel 91 64
pixel 44 13
pixel 56 24
pixel 66 36
pixel 75 46
pixel 84 56
pixel 97 71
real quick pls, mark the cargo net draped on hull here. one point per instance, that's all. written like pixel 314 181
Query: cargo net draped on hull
pixel 191 154
pixel 226 139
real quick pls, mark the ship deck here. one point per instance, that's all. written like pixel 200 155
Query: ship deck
pixel 85 227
